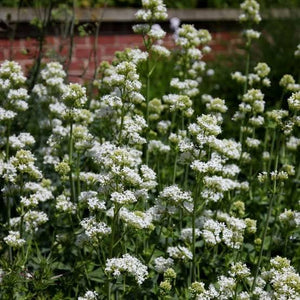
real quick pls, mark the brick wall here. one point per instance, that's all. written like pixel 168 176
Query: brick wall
pixel 88 53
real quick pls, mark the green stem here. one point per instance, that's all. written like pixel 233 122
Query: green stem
pixel 195 204
pixel 7 140
pixel 147 107
pixel 272 149
pixel 248 47
pixel 78 173
pixel 264 235
pixel 175 167
pixel 121 125
pixel 72 183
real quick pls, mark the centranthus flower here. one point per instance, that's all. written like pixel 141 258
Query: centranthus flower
pixel 33 219
pixel 250 10
pixel 95 230
pixel 127 197
pixel 136 219
pixel 173 194
pixel 14 240
pixel 284 279
pixel 74 95
pixel 161 264
pixel 153 10
pixel 89 295
pixel 180 252
pixel 128 265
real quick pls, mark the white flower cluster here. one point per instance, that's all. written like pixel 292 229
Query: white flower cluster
pixel 187 87
pixel 174 195
pixel 40 194
pixel 53 76
pixel 132 128
pixel 190 38
pixel 288 83
pixel 294 102
pixel 127 197
pixel 180 252
pixel 96 231
pixel 225 228
pixel 156 146
pixel 21 163
pixel 153 10
pixel 129 265
pixel 92 200
pixel 33 219
pixel 74 95
pixel 64 204
pixel 250 10
pixel 136 219
pixel 14 96
pixel 21 141
pixel 161 264
pixel 253 105
pixel 13 239
pixel 89 295
pixel 283 278
pixel 258 78
pixel 11 76
pixel 290 218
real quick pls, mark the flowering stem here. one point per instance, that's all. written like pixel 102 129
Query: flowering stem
pixel 147 107
pixel 272 149
pixel 7 140
pixel 274 193
pixel 175 167
pixel 8 198
pixel 72 183
pixel 248 46
pixel 78 173
pixel 121 125
pixel 195 207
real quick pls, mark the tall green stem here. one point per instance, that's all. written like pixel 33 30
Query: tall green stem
pixel 147 107
pixel 72 183
pixel 274 194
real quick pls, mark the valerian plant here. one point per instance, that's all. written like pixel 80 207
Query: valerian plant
pixel 138 193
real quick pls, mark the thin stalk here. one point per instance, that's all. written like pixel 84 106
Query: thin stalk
pixel 195 204
pixel 248 47
pixel 147 107
pixel 72 183
pixel 8 198
pixel 175 167
pixel 152 252
pixel 272 149
pixel 122 123
pixel 37 65
pixel 78 173
pixel 7 140
pixel 264 235
pixel 71 37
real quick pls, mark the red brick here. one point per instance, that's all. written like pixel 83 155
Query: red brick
pixel 52 40
pixel 219 47
pixel 20 54
pixel 81 40
pixel 110 50
pixel 129 39
pixel 107 40
pixel 30 43
pixel 4 43
pixel 82 53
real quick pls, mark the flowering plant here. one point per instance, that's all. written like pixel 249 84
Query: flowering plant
pixel 127 193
